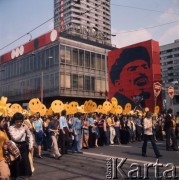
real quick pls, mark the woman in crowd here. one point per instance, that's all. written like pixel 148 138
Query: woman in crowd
pixel 77 129
pixel 148 135
pixel 23 138
pixel 4 169
pixel 53 131
pixel 38 129
pixel 101 139
pixel 117 129
pixel 64 133
pixel 85 130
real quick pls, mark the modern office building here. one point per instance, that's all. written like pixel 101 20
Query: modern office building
pixel 52 67
pixel 169 55
pixel 89 19
pixel 68 63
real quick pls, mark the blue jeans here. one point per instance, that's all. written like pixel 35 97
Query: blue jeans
pixel 76 145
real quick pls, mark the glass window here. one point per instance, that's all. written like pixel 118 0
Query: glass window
pixel 43 60
pixel 36 62
pixel 56 58
pixel 80 82
pixel 87 83
pixel 98 61
pixel 103 87
pixel 98 85
pixel 52 81
pixel 62 53
pixel 51 56
pixel 103 62
pixel 47 61
pixel 81 57
pixel 68 55
pixel 75 56
pixel 67 81
pixel 93 60
pixel 46 82
pixel 92 83
pixel 62 80
pixel 87 59
pixel 31 64
pixel 74 81
pixel 56 80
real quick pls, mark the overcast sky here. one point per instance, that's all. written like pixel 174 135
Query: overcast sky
pixel 18 17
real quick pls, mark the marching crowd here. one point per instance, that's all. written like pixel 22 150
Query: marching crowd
pixel 23 137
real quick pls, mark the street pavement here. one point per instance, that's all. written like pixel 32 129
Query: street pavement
pixel 92 163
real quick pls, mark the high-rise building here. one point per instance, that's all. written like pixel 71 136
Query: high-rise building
pixel 88 19
pixel 169 55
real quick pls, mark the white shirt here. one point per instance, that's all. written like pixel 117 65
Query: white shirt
pixel 148 126
pixel 63 122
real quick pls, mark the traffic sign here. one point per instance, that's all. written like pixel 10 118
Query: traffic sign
pixel 171 91
pixel 157 89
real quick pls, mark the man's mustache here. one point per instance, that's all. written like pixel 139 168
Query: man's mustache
pixel 141 80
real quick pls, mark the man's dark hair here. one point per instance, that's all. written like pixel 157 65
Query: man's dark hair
pixel 128 55
pixel 63 113
pixel 17 116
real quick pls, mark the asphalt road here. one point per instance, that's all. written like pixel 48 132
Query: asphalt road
pixel 92 164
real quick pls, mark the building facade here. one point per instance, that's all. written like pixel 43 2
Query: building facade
pixel 169 55
pixel 89 19
pixel 52 67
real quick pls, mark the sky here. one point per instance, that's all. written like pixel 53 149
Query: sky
pixel 131 21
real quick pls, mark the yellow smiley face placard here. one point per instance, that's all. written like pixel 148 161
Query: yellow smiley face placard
pixel 42 110
pixel 100 109
pixel 73 107
pixel 107 106
pixel 119 109
pixel 114 101
pixel 57 106
pixel 128 108
pixel 34 105
pixel 16 108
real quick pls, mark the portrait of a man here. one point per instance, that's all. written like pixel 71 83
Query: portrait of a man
pixel 131 76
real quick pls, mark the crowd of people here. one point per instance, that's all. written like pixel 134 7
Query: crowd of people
pixel 60 134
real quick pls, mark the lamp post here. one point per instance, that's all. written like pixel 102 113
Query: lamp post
pixel 42 83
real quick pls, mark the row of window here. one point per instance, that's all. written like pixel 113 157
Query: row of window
pixel 31 87
pixel 170 56
pixel 80 57
pixel 82 82
pixel 169 50
pixel 31 63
